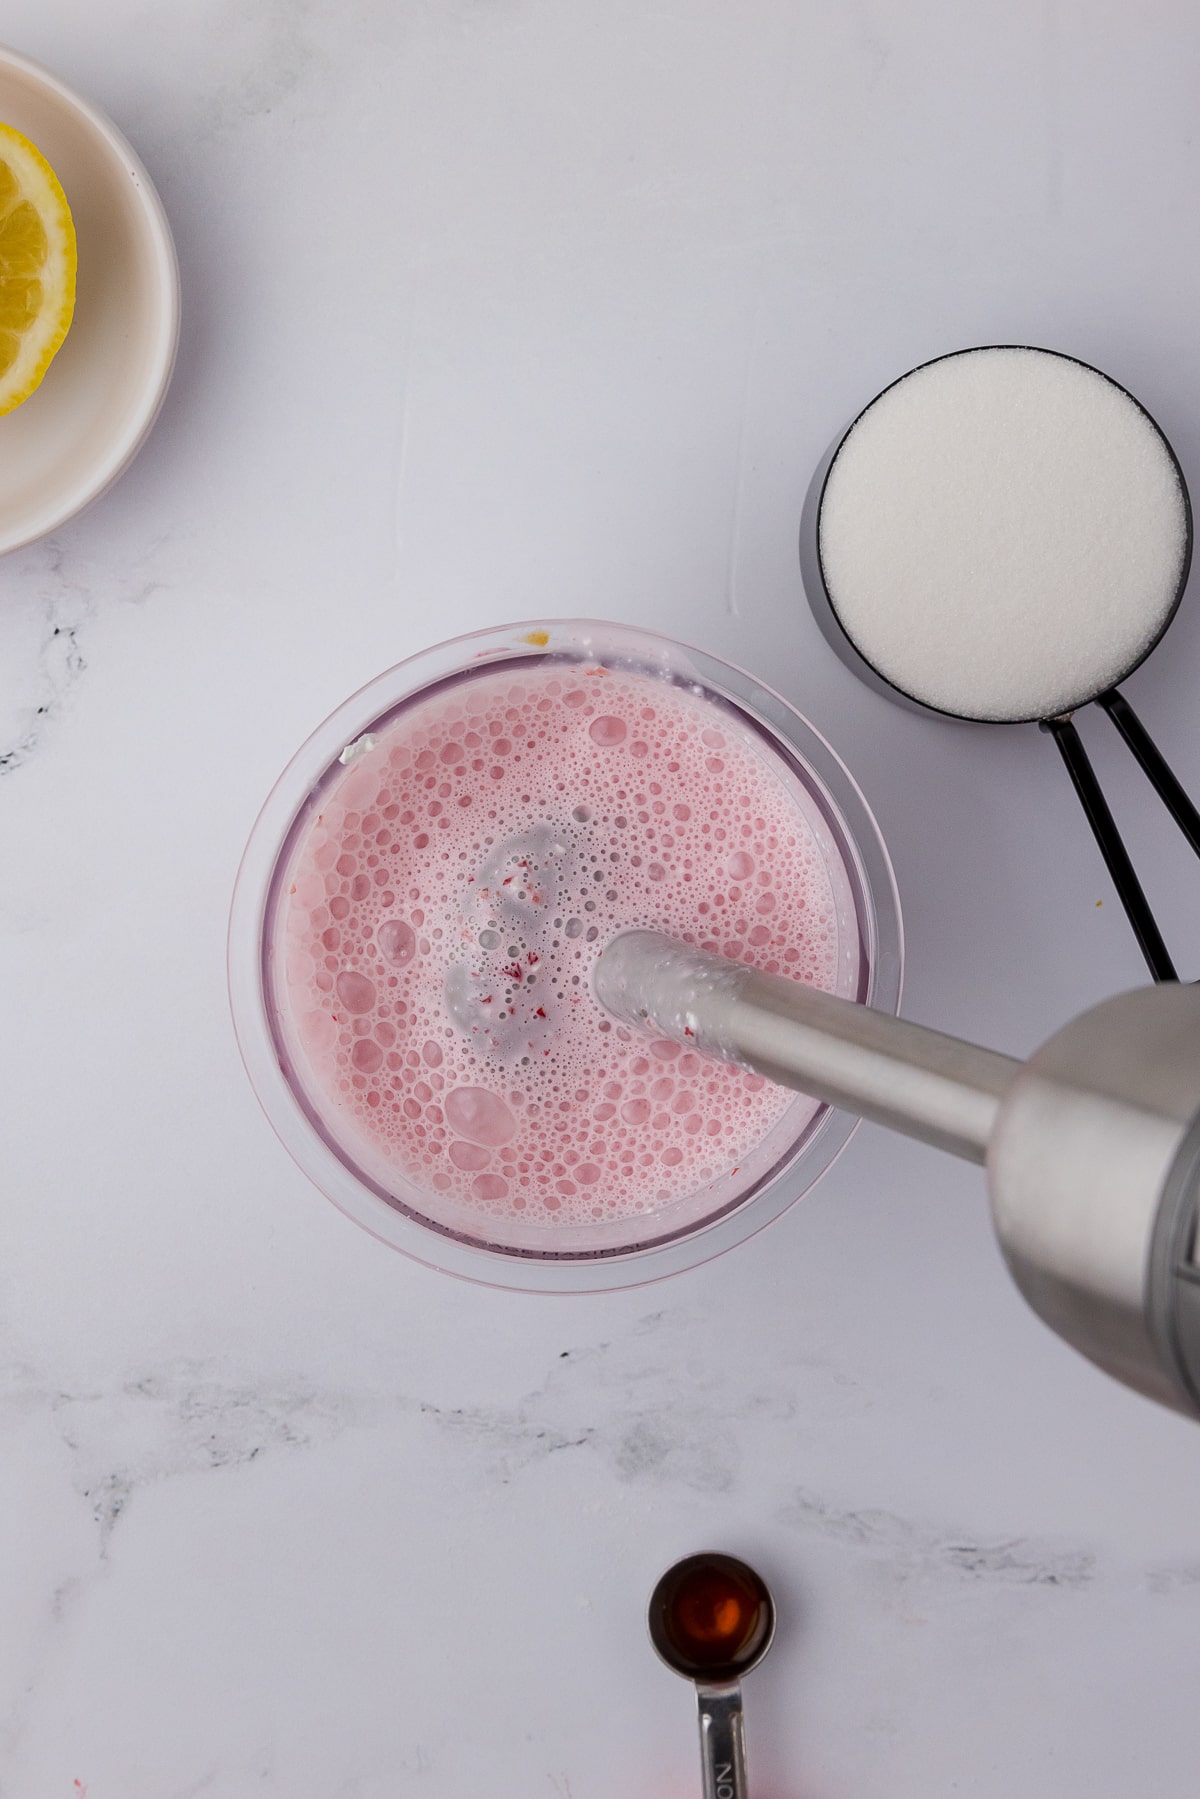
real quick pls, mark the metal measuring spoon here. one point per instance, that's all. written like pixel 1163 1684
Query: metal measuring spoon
pixel 712 1619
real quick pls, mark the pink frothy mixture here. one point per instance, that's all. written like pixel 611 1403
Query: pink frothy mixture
pixel 440 914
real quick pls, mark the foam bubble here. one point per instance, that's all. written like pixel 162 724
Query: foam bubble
pixel 479 1116
pixel 397 940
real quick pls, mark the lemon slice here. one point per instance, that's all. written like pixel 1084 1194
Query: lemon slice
pixel 37 267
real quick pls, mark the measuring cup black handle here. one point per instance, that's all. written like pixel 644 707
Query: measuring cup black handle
pixel 1104 828
pixel 1153 764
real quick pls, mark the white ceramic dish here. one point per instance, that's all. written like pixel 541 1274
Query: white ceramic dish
pixel 86 422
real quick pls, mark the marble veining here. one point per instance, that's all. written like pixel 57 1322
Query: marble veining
pixel 47 615
pixel 50 599
pixel 913 1550
pixel 184 1418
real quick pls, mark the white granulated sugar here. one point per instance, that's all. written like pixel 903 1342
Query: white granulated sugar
pixel 1002 534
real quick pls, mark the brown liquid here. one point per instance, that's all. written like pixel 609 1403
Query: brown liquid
pixel 709 1617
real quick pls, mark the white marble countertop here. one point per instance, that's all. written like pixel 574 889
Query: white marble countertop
pixel 507 307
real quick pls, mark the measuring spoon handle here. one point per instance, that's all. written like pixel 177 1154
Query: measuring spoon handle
pixel 1153 764
pixel 1116 856
pixel 722 1742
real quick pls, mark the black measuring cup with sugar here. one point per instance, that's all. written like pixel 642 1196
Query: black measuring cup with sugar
pixel 1002 536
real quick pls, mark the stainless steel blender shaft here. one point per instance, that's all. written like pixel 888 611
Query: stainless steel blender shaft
pixel 914 1080
pixel 1092 1146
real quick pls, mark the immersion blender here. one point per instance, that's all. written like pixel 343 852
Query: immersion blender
pixel 1092 1146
